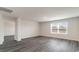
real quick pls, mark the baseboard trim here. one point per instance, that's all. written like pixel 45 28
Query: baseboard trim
pixel 50 37
pixel 61 38
pixel 42 36
pixel 31 37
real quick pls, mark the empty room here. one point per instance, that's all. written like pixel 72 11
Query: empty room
pixel 39 29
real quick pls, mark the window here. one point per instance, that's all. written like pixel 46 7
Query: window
pixel 59 28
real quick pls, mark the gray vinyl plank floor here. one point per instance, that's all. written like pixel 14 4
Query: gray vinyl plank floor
pixel 39 44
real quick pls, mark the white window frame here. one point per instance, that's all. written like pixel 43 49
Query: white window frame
pixel 58 32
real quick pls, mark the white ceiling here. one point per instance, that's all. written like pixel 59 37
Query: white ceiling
pixel 44 13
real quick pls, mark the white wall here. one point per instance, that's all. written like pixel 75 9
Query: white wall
pixel 29 28
pixel 9 26
pixel 1 29
pixel 73 29
pixel 25 29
